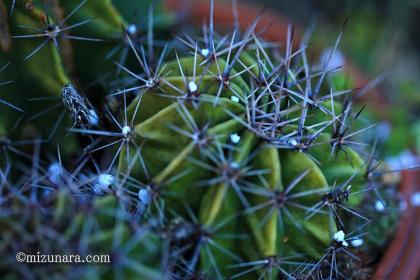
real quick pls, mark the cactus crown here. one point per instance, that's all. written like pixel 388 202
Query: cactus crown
pixel 206 157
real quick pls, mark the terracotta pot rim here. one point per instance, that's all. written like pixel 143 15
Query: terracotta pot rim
pixel 400 260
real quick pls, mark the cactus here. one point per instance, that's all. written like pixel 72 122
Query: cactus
pixel 189 157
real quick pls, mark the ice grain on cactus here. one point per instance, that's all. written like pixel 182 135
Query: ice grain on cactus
pixel 202 157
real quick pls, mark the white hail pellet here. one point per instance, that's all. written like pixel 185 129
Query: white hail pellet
pixel 379 206
pixel 293 142
pixel 415 199
pixel 144 196
pixel 234 165
pixel 337 60
pixel 54 173
pixel 205 52
pixel 234 99
pixel 192 86
pixel 235 138
pixel 103 183
pixel 357 242
pixel 339 237
pixel 132 29
pixel 126 130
